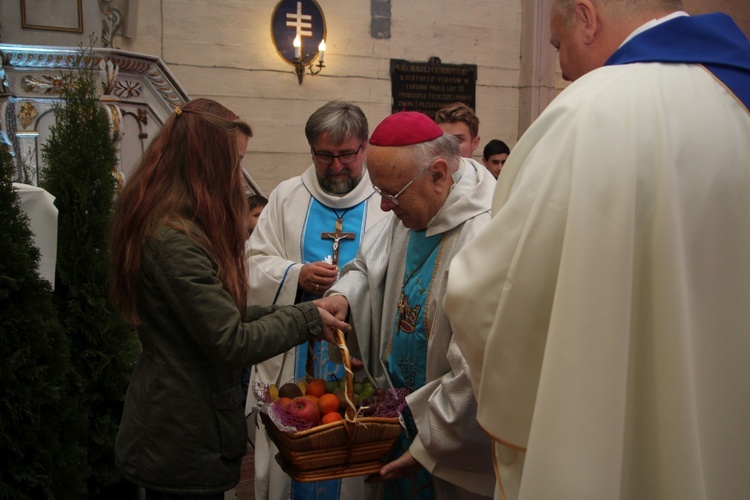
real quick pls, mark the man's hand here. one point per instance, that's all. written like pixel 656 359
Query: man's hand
pixel 317 277
pixel 403 466
pixel 338 305
pixel 331 323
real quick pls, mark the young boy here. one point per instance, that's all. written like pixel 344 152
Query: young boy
pixel 256 204
pixel 459 120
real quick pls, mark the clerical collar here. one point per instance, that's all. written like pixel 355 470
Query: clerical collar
pixel 652 23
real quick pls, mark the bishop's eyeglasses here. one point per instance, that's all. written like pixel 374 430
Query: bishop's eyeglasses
pixel 393 198
pixel 344 158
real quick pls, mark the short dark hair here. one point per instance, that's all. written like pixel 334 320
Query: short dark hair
pixel 495 147
pixel 256 200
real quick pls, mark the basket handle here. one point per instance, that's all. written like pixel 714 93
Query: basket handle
pixel 350 419
pixel 351 410
pixel 310 362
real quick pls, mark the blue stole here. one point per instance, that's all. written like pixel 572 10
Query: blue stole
pixel 406 358
pixel 314 248
pixel 712 40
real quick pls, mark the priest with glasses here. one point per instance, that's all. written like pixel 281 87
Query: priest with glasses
pixel 312 225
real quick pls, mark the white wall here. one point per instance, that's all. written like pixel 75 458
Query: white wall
pixel 223 49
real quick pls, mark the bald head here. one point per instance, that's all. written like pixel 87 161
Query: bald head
pixel 587 32
pixel 625 8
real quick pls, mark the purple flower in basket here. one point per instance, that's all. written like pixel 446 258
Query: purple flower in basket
pixel 394 401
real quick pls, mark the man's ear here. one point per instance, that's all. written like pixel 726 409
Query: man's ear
pixel 440 174
pixel 475 144
pixel 586 17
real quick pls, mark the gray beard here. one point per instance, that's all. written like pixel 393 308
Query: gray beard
pixel 339 186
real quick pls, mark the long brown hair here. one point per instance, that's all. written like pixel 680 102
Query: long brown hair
pixel 190 179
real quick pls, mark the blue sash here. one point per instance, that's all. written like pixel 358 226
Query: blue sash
pixel 713 40
pixel 406 359
pixel 322 219
pixel 314 248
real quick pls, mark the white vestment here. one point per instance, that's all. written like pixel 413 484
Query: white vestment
pixel 449 443
pixel 274 261
pixel 40 207
pixel 605 310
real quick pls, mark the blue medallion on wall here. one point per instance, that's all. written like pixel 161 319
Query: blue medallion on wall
pixel 298 17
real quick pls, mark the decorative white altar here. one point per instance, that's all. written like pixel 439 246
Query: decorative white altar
pixel 138 93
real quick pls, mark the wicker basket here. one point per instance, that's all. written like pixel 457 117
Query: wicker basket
pixel 350 447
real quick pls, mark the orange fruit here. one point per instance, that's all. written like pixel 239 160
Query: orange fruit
pixel 284 401
pixel 316 387
pixel 334 416
pixel 328 403
pixel 314 399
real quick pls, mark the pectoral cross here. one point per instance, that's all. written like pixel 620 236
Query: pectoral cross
pixel 336 237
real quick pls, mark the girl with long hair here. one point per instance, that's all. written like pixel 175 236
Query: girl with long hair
pixel 178 274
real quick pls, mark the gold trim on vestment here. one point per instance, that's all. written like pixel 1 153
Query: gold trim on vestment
pixel 727 88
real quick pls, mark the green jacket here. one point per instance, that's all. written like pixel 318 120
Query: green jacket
pixel 183 428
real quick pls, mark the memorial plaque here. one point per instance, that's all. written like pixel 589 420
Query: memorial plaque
pixel 428 86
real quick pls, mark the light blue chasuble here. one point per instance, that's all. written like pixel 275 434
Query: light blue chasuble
pixel 315 247
pixel 406 359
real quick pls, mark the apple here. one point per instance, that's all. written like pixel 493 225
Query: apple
pixel 305 409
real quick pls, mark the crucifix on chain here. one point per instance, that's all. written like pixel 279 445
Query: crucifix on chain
pixel 336 237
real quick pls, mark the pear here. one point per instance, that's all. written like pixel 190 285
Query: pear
pixel 273 391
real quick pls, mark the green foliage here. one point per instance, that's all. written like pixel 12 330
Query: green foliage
pixel 80 160
pixel 39 417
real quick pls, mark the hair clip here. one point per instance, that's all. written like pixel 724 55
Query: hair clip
pixel 178 111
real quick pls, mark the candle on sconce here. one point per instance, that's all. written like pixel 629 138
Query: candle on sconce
pixel 297 47
pixel 321 51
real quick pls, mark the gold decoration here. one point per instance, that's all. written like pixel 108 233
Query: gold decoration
pixel 46 84
pixel 126 89
pixel 115 121
pixel 27 114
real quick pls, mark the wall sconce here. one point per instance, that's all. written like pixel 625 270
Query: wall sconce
pixel 294 24
pixel 300 65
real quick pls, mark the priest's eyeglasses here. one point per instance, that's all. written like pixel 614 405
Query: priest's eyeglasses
pixel 344 158
pixel 394 198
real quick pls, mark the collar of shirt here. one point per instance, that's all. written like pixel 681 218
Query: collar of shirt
pixel 652 23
